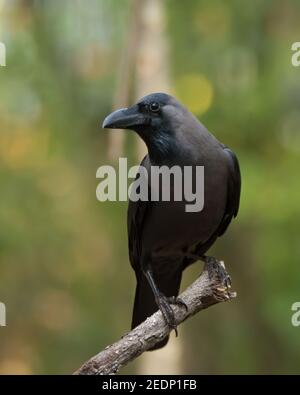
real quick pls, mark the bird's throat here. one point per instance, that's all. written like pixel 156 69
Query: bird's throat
pixel 162 147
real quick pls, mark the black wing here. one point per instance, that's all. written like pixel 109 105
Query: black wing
pixel 233 191
pixel 135 218
pixel 231 209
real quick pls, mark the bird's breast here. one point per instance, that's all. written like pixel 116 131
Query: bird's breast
pixel 170 229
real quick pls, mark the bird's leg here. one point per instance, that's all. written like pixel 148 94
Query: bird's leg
pixel 164 303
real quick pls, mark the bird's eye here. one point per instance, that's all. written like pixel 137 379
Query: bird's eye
pixel 154 106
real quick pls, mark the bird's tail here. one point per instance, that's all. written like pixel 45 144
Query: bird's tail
pixel 144 301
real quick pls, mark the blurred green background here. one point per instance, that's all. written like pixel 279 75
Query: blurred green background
pixel 64 271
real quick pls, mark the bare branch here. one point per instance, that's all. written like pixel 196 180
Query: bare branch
pixel 207 290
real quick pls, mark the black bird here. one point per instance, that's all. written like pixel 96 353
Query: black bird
pixel 163 238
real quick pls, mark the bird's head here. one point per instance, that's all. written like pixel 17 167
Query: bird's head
pixel 153 113
pixel 157 118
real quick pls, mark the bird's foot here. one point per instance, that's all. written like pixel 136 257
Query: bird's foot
pixel 217 268
pixel 178 301
pixel 167 311
pixel 164 303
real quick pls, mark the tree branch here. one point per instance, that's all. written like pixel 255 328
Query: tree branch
pixel 207 290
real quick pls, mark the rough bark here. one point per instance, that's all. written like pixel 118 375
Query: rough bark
pixel 207 290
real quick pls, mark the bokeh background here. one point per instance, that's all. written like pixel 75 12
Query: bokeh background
pixel 64 271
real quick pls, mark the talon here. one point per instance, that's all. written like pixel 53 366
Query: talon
pixel 219 268
pixel 181 303
pixel 178 301
pixel 164 304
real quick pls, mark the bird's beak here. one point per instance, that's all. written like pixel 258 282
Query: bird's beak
pixel 126 118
